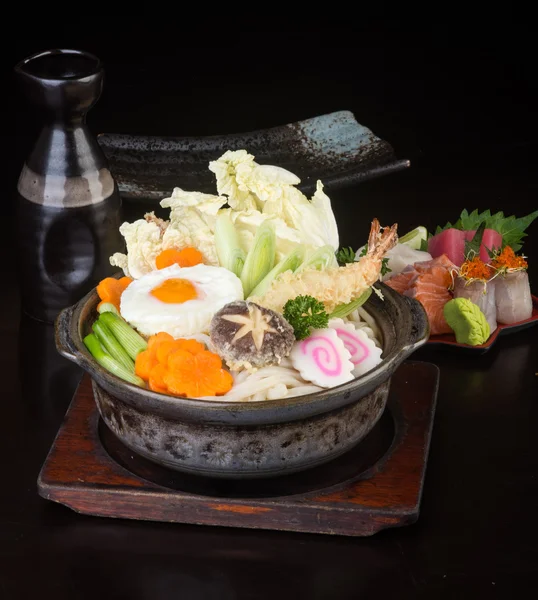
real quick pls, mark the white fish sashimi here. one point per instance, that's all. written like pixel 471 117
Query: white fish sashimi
pixel 482 294
pixel 513 297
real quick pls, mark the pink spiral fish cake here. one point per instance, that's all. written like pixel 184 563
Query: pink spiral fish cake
pixel 323 359
pixel 365 355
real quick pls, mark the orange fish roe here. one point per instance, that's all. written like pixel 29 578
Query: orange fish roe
pixel 507 259
pixel 188 257
pixel 111 289
pixel 476 269
pixel 182 368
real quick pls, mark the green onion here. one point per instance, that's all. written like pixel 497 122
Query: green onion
pixel 107 307
pixel 343 310
pixel 132 343
pixel 111 344
pixel 321 258
pixel 107 362
pixel 230 254
pixel 290 262
pixel 260 258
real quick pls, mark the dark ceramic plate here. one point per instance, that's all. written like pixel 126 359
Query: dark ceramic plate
pixel 450 340
pixel 333 148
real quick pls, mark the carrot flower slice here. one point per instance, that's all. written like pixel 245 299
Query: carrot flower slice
pixel 144 362
pixel 111 289
pixel 198 375
pixel 191 346
pixel 156 379
pixel 182 362
pixel 182 367
pixel 187 257
pixel 156 339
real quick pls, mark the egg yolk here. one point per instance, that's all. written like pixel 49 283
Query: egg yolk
pixel 175 291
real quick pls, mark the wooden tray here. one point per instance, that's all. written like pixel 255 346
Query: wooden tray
pixel 376 485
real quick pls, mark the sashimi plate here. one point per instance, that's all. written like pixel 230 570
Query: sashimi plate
pixel 333 147
pixel 449 339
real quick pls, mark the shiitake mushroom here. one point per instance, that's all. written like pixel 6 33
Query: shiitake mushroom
pixel 247 333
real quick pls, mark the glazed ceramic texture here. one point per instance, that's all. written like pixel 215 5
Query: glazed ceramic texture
pixel 68 201
pixel 216 451
pixel 248 439
pixel 333 147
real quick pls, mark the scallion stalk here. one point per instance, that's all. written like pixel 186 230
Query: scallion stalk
pixel 107 362
pixel 289 263
pixel 131 341
pixel 111 345
pixel 322 258
pixel 260 258
pixel 343 310
pixel 107 307
pixel 229 252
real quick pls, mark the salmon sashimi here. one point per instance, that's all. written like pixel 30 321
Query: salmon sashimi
pixel 428 282
pixel 403 280
pixel 431 291
pixel 441 261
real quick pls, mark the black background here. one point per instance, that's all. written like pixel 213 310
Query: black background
pixel 452 96
pixel 461 101
pixel 438 91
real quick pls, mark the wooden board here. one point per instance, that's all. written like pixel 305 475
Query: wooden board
pixel 376 485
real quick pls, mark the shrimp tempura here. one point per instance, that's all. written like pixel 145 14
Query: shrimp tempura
pixel 337 285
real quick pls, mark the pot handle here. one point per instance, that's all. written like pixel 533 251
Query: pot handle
pixel 62 335
pixel 420 326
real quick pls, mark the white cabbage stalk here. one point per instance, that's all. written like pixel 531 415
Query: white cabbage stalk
pixel 255 194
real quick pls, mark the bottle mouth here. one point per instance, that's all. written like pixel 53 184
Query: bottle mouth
pixel 60 65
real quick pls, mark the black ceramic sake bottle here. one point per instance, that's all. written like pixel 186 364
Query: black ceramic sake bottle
pixel 69 209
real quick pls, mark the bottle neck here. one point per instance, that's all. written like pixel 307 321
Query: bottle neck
pixel 65 120
pixel 66 148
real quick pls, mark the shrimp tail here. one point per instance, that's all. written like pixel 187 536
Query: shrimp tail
pixel 380 242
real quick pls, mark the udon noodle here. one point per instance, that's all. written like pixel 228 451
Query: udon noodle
pixel 283 381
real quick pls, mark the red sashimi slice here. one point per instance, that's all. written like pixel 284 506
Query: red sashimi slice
pixel 452 243
pixel 491 239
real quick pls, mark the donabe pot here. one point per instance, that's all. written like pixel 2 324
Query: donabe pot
pixel 247 439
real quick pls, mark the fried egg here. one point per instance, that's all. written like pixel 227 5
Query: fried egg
pixel 179 300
